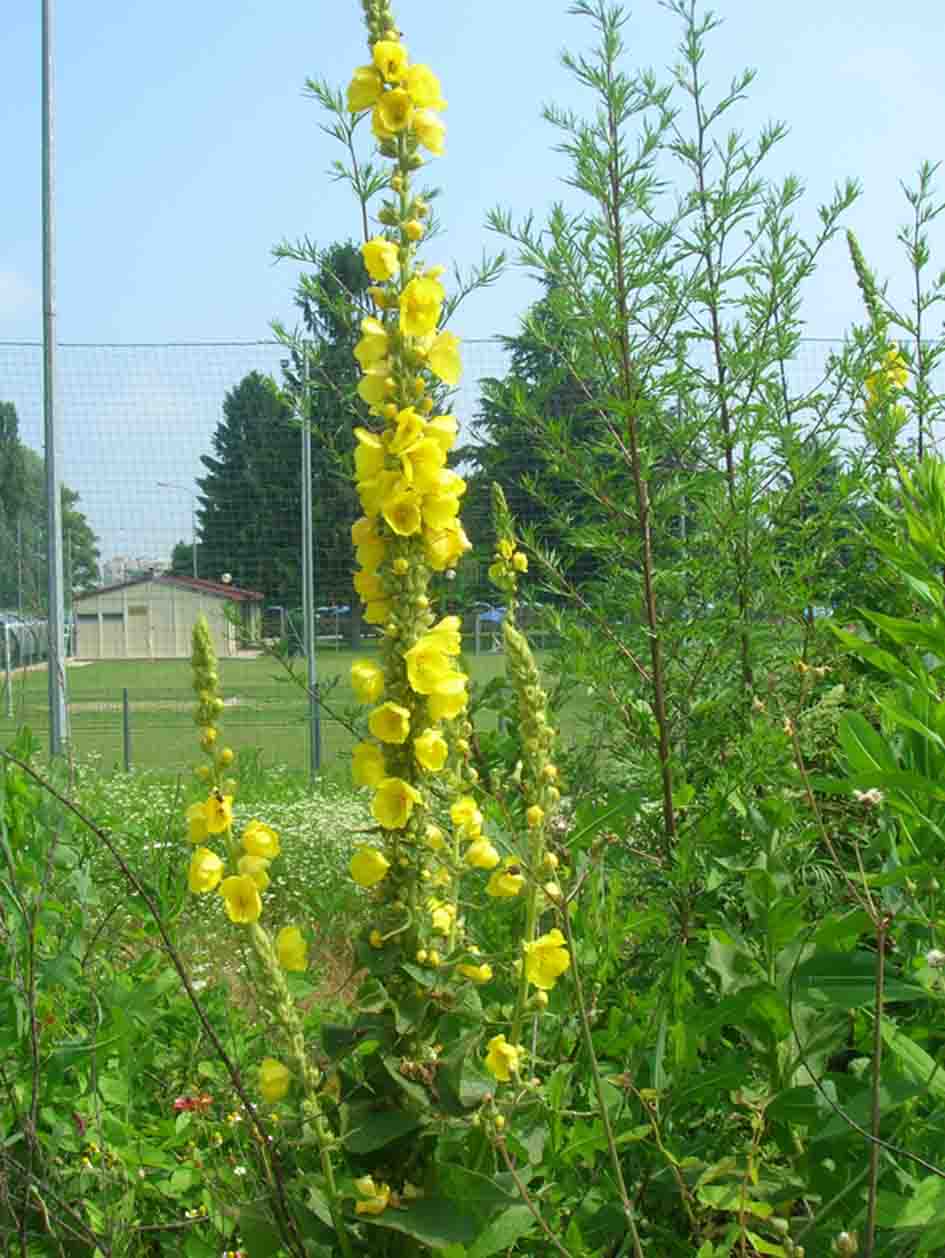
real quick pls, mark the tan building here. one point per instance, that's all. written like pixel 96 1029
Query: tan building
pixel 152 617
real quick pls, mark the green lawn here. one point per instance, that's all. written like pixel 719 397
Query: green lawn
pixel 265 709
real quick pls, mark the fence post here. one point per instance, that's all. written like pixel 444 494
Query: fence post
pixel 6 650
pixel 126 728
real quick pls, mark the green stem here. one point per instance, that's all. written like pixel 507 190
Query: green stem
pixel 876 1113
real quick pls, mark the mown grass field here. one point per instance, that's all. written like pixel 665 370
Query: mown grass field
pixel 267 712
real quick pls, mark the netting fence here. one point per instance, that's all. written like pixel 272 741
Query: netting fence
pixel 143 425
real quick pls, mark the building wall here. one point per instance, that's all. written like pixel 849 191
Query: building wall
pixel 152 620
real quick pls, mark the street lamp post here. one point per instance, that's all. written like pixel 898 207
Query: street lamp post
pixel 169 484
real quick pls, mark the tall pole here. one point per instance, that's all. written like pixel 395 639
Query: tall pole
pixel 193 531
pixel 56 616
pixel 308 581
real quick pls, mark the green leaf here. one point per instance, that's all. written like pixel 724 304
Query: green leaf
pixel 434 1221
pixel 763 1246
pixel 371 1129
pixel 926 1207
pixel 866 750
pixel 510 1226
pixel 847 980
pixel 914 1062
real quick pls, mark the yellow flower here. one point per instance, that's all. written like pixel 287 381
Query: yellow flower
pixel 374 1197
pixel 410 430
pixel 546 959
pixel 364 531
pixel 439 510
pixel 892 376
pixel 503 1059
pixel 369 586
pixel 445 429
pixel 367 681
pixel 505 548
pixel 444 359
pixel 478 973
pixel 255 867
pixel 420 306
pixel 402 513
pixel 206 870
pixel 428 665
pixel 422 465
pixel 414 230
pixel 384 486
pixel 369 866
pixel 430 130
pixel 448 633
pixel 449 698
pixel 431 750
pixel 258 839
pixel 390 57
pixel 373 345
pixel 368 454
pixel 373 387
pixel 291 949
pixel 378 612
pixel 442 915
pixel 520 561
pixel 433 837
pixel 481 854
pixel 197 822
pixel 392 113
pixel 367 765
pixel 274 1079
pixel 424 88
pixel 365 89
pixel 390 723
pixel 506 882
pixel 444 547
pixel 393 803
pixel 219 813
pixel 241 896
pixel 535 816
pixel 466 816
pixel 380 258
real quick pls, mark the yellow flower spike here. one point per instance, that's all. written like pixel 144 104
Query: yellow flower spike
pixel 465 815
pixel 503 1059
pixel 477 973
pixel 241 898
pixel 255 867
pixel 393 113
pixel 390 58
pixel 430 131
pixel 274 1080
pixel 420 306
pixel 546 959
pixel 205 872
pixel 481 855
pixel 534 815
pixel 390 723
pixel 368 866
pixel 431 750
pixel 506 883
pixel 444 359
pixel 380 258
pixel 374 1198
pixel 423 87
pixel 219 813
pixel 258 839
pixel 449 699
pixel 367 765
pixel 373 345
pixel 402 513
pixel 394 802
pixel 367 681
pixel 291 949
pixel 365 89
pixel 197 821
pixel 433 837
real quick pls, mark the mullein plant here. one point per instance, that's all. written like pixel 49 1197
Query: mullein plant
pixel 431 1058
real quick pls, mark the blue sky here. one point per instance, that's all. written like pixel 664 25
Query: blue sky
pixel 185 150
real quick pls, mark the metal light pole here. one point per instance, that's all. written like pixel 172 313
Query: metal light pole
pixel 55 616
pixel 168 484
pixel 308 578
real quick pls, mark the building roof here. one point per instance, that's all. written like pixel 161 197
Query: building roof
pixel 215 589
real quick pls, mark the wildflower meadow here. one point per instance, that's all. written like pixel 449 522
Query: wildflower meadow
pixel 634 948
